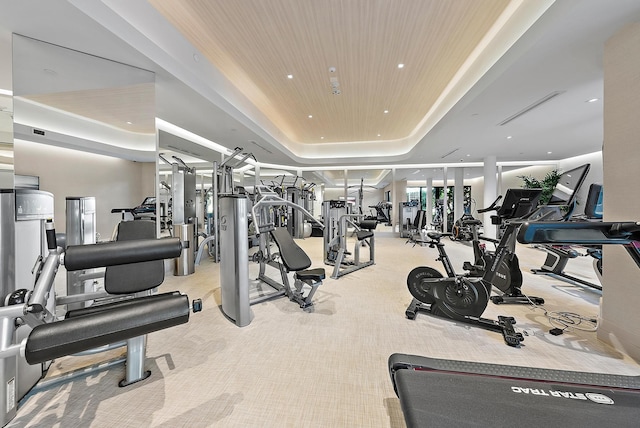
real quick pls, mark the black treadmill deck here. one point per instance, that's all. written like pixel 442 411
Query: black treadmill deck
pixel 443 393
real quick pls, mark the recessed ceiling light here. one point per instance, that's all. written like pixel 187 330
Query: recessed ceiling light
pixel 509 137
pixel 549 153
pixel 378 135
pixel 322 138
pixel 468 155
pixel 386 111
pixel 128 123
pixel 400 65
pixel 310 116
pixel 592 100
pixel 289 76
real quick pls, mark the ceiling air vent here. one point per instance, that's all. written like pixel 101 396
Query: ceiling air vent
pixel 531 107
pixel 38 132
pixel 266 150
pixel 450 153
pixel 184 151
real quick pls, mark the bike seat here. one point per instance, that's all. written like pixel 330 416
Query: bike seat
pixel 472 222
pixel 437 235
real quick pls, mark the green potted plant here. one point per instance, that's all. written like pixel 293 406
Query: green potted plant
pixel 547 184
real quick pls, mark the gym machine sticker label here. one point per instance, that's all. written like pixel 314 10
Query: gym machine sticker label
pixel 591 396
pixel 11 394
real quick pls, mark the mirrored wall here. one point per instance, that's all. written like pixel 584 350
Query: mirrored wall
pixel 6 141
pixel 83 126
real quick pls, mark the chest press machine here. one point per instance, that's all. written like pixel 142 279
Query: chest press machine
pixel 236 290
pixel 123 321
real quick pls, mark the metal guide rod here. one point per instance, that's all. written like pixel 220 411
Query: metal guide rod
pixel 273 200
pixel 216 214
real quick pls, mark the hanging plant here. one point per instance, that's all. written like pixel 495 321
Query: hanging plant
pixel 547 184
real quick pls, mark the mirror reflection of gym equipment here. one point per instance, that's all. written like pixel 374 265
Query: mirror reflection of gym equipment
pixel 182 207
pixel 221 184
pixel 339 225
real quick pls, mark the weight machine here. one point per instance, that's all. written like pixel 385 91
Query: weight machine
pixel 234 243
pixel 31 332
pixel 184 223
pixel 222 184
pixel 337 223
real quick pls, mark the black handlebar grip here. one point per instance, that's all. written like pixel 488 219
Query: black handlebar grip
pixel 52 243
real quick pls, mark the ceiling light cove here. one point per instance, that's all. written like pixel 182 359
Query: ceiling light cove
pixel 251 62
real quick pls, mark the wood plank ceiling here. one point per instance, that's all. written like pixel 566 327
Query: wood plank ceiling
pixel 256 44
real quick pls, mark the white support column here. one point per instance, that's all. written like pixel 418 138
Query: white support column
pixel 500 190
pixel 346 187
pixel 241 178
pixel 394 202
pixel 458 193
pixel 256 169
pixel 429 204
pixel 490 194
pixel 445 199
pixel 619 315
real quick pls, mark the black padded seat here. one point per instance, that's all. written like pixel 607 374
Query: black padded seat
pixel 120 322
pixel 434 235
pixel 363 234
pixel 315 275
pixel 368 224
pixel 292 256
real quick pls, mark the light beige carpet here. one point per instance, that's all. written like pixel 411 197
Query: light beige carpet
pixel 325 367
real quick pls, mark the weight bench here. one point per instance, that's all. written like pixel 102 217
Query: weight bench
pixel 446 393
pixel 134 267
pixel 294 259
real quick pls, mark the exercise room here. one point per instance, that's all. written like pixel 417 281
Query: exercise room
pixel 319 213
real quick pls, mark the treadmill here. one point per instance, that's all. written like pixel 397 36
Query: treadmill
pixel 444 393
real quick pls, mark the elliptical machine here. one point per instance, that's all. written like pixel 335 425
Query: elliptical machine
pixel 464 298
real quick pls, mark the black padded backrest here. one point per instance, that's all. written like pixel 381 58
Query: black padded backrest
pixel 593 206
pixel 134 277
pixel 293 257
pixel 421 219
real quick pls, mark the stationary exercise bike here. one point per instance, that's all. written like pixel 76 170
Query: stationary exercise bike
pixel 461 230
pixel 462 297
pixel 508 278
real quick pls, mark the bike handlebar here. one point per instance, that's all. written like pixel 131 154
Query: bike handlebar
pixel 491 207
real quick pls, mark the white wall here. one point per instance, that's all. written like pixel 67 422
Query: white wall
pixel 115 183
